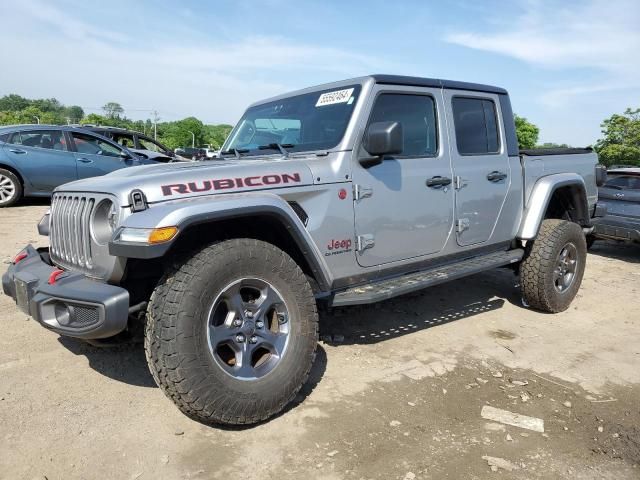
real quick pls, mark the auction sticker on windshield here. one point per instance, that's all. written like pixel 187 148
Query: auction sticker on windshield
pixel 337 96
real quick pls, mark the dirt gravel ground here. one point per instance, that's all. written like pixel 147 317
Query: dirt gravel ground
pixel 396 391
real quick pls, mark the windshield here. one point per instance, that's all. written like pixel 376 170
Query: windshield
pixel 312 121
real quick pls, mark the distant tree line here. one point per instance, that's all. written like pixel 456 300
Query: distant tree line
pixel 620 142
pixel 15 109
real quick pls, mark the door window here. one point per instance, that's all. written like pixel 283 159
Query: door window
pixel 416 114
pixel 48 139
pixel 93 145
pixel 476 126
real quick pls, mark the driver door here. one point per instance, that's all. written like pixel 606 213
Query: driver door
pixel 401 212
pixel 95 156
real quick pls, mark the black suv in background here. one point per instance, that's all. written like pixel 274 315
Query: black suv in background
pixel 136 142
pixel 621 197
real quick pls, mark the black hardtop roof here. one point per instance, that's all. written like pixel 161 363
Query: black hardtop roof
pixel 436 82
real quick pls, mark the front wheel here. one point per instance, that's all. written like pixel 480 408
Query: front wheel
pixel 551 273
pixel 232 331
pixel 10 188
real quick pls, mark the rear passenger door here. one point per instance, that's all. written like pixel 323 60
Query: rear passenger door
pixel 481 166
pixel 42 157
pixel 95 156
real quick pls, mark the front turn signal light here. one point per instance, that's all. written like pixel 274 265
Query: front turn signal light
pixel 161 235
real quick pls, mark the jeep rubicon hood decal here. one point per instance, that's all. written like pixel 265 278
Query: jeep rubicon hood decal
pixel 253 181
pixel 176 181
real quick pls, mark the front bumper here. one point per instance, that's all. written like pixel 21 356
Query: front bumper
pixel 617 228
pixel 73 305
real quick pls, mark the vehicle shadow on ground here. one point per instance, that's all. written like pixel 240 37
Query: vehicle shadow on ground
pixel 125 363
pixel 439 305
pixel 627 252
pixel 128 364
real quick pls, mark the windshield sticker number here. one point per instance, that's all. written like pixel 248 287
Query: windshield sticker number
pixel 331 98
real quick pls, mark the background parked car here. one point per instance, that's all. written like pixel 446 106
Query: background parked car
pixel 192 153
pixel 136 142
pixel 621 197
pixel 35 159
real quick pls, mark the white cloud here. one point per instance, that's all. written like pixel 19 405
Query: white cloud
pixel 601 36
pixel 52 52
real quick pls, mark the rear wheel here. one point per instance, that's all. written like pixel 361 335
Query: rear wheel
pixel 10 188
pixel 232 331
pixel 552 271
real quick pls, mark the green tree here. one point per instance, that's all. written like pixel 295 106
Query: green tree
pixel 112 110
pixel 94 119
pixel 215 135
pixel 74 113
pixel 621 139
pixel 527 132
pixel 178 134
pixel 13 103
pixel 47 105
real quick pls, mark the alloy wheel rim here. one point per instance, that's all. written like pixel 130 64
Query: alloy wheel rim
pixel 248 329
pixel 566 267
pixel 7 189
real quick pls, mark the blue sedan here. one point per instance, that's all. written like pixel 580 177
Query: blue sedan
pixel 35 159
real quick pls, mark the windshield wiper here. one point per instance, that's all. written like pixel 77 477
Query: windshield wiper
pixel 278 146
pixel 236 151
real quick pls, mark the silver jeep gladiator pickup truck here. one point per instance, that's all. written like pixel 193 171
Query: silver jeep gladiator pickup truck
pixel 343 194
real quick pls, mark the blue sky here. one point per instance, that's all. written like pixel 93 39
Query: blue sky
pixel 567 64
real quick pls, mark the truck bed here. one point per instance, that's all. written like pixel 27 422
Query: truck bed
pixel 538 163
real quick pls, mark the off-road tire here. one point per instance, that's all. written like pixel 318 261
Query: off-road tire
pixel 537 269
pixel 176 342
pixel 8 175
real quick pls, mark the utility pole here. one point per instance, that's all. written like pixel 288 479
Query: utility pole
pixel 193 139
pixel 155 124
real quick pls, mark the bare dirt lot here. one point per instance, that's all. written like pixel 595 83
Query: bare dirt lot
pixel 396 391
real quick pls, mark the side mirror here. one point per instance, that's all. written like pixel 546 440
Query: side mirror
pixel 380 139
pixel 124 155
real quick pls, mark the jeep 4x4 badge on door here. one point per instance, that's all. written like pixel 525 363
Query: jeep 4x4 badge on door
pixel 341 194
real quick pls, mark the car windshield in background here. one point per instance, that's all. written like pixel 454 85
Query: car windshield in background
pixel 624 182
pixel 312 121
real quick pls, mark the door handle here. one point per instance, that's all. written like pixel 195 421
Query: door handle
pixel 85 160
pixel 496 176
pixel 438 181
pixel 18 151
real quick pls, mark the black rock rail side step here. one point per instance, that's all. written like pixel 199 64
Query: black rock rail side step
pixel 411 282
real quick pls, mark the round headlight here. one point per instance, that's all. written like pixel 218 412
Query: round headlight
pixel 103 223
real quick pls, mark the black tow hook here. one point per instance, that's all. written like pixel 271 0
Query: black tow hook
pixel 137 307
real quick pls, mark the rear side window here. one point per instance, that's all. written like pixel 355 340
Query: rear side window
pixel 47 139
pixel 5 137
pixel 417 114
pixel 476 126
